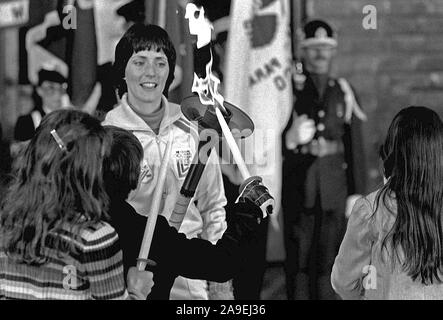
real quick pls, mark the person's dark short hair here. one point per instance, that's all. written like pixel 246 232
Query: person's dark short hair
pixel 121 167
pixel 50 75
pixel 141 37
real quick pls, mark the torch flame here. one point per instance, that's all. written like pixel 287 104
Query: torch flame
pixel 206 88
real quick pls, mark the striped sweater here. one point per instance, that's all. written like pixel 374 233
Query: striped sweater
pixel 94 270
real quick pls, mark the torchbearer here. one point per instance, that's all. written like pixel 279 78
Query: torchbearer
pixel 144 66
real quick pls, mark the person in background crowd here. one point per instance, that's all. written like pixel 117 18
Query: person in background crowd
pixel 323 167
pixel 393 246
pixel 171 251
pixel 144 66
pixel 133 12
pixel 54 241
pixel 50 89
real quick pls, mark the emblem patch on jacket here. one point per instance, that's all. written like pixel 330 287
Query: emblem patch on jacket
pixel 183 162
pixel 145 173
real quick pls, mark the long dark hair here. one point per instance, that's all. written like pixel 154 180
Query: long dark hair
pixel 141 37
pixel 412 157
pixel 55 187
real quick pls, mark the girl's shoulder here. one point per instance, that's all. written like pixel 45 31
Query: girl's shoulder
pixel 101 231
pixel 93 237
pixel 380 209
pixel 371 198
pixel 382 199
pixel 379 200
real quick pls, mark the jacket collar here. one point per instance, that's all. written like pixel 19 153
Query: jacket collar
pixel 124 117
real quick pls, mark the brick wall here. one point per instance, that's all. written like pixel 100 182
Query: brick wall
pixel 398 64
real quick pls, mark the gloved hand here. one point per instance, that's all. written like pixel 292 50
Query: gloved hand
pixel 301 132
pixel 243 221
pixel 139 283
pixel 252 189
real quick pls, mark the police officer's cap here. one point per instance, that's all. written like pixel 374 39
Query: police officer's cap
pixel 50 75
pixel 318 32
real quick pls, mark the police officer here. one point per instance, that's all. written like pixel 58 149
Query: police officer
pixel 323 170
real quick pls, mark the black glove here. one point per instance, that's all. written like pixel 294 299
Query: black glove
pixel 253 189
pixel 243 221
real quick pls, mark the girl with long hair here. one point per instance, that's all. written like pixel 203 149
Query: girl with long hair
pixel 54 241
pixel 393 247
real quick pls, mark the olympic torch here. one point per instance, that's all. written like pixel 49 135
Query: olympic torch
pixel 210 111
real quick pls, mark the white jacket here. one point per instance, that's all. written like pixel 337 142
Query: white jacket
pixel 205 217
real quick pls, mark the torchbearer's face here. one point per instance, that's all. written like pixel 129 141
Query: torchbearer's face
pixel 146 74
pixel 318 58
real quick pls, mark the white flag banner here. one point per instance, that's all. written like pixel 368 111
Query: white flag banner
pixel 258 80
pixel 14 13
pixel 109 28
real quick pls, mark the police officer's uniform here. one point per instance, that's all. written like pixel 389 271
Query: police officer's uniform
pixel 318 177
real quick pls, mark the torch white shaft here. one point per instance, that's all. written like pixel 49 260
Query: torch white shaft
pixel 232 145
pixel 155 206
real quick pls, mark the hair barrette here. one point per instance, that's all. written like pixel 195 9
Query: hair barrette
pixel 59 141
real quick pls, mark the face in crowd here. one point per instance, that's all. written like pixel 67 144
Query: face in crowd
pixel 318 58
pixel 51 94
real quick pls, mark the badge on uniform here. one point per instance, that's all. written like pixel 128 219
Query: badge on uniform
pixel 298 76
pixel 183 162
pixel 340 110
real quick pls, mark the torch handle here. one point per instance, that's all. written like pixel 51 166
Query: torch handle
pixel 232 145
pixel 189 187
pixel 179 212
pixel 155 206
pixel 268 205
